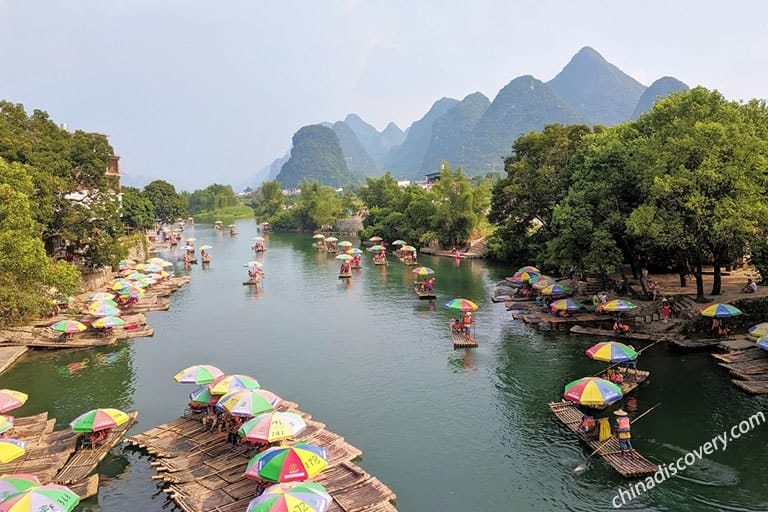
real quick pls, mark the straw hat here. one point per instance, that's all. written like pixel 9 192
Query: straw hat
pixel 620 412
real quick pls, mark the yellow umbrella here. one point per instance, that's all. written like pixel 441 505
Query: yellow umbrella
pixel 11 449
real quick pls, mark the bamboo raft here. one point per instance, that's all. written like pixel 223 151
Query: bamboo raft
pixel 54 456
pixel 345 275
pixel 748 367
pixel 594 331
pixel 627 466
pixel 9 355
pixel 632 378
pixel 461 339
pixel 425 294
pixel 252 282
pixel 375 262
pixel 201 472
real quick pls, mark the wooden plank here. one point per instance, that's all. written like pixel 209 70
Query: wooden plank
pixel 462 340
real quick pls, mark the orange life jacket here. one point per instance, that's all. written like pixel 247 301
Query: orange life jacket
pixel 467 320
pixel 622 427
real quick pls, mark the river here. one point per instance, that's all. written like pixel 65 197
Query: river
pixel 447 430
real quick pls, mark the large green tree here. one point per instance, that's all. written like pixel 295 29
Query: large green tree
pixel 168 205
pixel 137 210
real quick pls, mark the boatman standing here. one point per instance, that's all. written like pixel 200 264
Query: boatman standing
pixel 623 431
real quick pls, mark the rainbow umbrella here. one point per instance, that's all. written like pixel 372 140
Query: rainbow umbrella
pixel 529 268
pixel 97 309
pixel 230 383
pixel 399 242
pixel 100 296
pixel 198 374
pixel 375 239
pixel 356 251
pixel 331 239
pixel 592 392
pixel 525 276
pixel 248 402
pixel 136 276
pixel 344 257
pixel 408 248
pixel 202 396
pixel 119 284
pixel 98 419
pixel 6 424
pixel 618 305
pixel 68 326
pixel 290 497
pixel 254 263
pixel 611 352
pixel 14 484
pixel 422 271
pixel 133 292
pixel 555 290
pixel 107 322
pixel 460 304
pixel 542 282
pixel 345 244
pixel 763 343
pixel 47 498
pixel 377 248
pixel 11 449
pixel 154 267
pixel 566 305
pixel 126 263
pixel 11 399
pixel 106 302
pixel 318 236
pixel 718 310
pixel 759 330
pixel 288 464
pixel 272 426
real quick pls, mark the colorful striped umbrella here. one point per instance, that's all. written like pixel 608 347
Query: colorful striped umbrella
pixel 288 464
pixel 47 498
pixel 408 248
pixel 566 305
pixel 119 284
pixel 100 296
pixel 229 383
pixel 107 322
pixel 331 239
pixel 106 302
pixel 759 330
pixel 542 282
pixel 718 310
pixel 14 484
pixel 98 419
pixel 618 306
pixel 611 352
pixel 377 248
pixel 11 449
pixel 98 309
pixel 375 239
pixel 198 374
pixel 592 392
pixel 202 396
pixel 254 263
pixel 345 244
pixel 763 343
pixel 422 271
pixel 11 399
pixel 6 424
pixel 154 267
pixel 318 236
pixel 529 268
pixel 126 263
pixel 356 251
pixel 292 497
pixel 399 242
pixel 68 326
pixel 460 304
pixel 555 290
pixel 525 276
pixel 273 426
pixel 248 402
pixel 133 292
pixel 344 257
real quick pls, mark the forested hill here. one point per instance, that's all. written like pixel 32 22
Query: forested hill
pixel 476 133
pixel 316 155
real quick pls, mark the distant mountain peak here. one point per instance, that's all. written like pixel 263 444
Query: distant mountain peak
pixel 659 89
pixel 588 53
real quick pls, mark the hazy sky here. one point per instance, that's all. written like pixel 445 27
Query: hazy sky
pixel 200 91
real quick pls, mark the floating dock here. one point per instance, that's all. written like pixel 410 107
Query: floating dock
pixel 628 466
pixel 749 369
pixel 201 472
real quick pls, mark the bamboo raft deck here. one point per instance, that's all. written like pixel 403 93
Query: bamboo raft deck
pixel 462 340
pixel 748 367
pixel 627 466
pixel 201 472
pixel 632 378
pixel 594 331
pixel 9 355
pixel 252 282
pixel 345 275
pixel 426 294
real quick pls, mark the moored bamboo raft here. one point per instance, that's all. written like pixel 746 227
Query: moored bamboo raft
pixel 632 378
pixel 628 466
pixel 256 281
pixel 84 460
pixel 594 331
pixel 461 339
pixel 201 472
pixel 749 354
pixel 425 294
pixel 755 387
pixel 345 275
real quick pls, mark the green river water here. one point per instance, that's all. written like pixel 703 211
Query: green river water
pixel 448 430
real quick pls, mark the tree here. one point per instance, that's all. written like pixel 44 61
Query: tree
pixel 137 210
pixel 270 199
pixel 168 205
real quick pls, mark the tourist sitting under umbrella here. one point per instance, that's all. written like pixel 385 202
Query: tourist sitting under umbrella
pixel 587 424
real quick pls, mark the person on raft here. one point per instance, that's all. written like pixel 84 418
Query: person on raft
pixel 623 431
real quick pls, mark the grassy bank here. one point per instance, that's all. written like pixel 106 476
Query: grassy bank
pixel 226 214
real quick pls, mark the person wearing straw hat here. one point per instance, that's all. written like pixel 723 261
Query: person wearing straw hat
pixel 623 431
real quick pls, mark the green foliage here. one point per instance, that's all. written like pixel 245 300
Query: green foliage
pixel 214 197
pixel 269 200
pixel 138 211
pixel 168 205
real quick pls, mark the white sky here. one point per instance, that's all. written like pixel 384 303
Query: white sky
pixel 196 91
